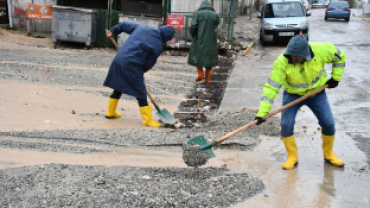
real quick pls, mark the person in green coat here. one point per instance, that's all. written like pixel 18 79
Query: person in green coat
pixel 204 49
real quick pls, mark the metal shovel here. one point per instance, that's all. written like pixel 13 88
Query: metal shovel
pixel 205 146
pixel 163 114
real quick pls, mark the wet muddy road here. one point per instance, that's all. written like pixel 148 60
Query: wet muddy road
pixel 52 109
pixel 52 113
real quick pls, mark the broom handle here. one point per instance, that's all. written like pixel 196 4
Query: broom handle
pixel 227 136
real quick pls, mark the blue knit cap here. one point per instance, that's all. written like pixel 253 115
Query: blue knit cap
pixel 298 46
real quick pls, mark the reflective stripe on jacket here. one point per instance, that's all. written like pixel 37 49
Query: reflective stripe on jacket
pixel 302 78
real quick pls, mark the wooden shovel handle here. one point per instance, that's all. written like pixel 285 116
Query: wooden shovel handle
pixel 114 42
pixel 227 136
pixel 151 99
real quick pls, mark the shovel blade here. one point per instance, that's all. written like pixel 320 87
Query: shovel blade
pixel 199 140
pixel 165 116
pixel 202 142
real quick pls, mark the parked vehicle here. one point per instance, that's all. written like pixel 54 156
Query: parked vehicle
pixel 306 4
pixel 327 2
pixel 318 3
pixel 282 19
pixel 338 10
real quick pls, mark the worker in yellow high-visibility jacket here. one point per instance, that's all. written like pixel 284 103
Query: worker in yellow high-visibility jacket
pixel 300 70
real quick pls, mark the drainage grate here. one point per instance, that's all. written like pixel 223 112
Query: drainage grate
pixel 203 100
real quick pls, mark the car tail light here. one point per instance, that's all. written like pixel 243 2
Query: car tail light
pixel 349 9
pixel 328 9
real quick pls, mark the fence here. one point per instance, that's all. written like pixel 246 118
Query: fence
pixel 187 8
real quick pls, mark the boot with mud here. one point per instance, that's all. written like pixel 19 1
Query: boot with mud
pixel 208 76
pixel 291 148
pixel 111 113
pixel 200 74
pixel 146 113
pixel 327 147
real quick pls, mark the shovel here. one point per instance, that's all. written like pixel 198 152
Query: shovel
pixel 163 114
pixel 204 146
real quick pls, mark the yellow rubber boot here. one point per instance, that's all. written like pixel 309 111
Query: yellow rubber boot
pixel 111 113
pixel 146 113
pixel 291 148
pixel 327 147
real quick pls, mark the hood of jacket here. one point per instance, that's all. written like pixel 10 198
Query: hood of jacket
pixel 167 33
pixel 205 5
pixel 298 46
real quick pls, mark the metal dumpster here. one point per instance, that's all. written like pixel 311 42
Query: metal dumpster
pixel 73 24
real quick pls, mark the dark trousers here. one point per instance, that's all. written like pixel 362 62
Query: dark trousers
pixel 117 95
pixel 318 104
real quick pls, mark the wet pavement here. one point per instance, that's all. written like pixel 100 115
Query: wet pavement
pixel 52 118
pixel 313 183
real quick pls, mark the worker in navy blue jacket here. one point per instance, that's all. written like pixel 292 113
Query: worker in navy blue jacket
pixel 136 56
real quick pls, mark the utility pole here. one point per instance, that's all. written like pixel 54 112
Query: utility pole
pixel 251 8
pixel 241 8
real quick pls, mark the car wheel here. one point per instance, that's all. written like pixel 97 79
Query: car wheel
pixel 347 19
pixel 263 43
pixel 326 18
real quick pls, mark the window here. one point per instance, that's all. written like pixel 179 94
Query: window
pixel 281 10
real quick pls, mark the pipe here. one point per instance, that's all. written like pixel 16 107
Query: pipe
pixel 10 14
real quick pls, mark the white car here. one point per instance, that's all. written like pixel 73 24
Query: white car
pixel 281 20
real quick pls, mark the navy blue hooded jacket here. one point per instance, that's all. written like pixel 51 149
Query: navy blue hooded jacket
pixel 136 56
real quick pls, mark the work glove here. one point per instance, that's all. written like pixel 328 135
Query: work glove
pixel 332 83
pixel 259 120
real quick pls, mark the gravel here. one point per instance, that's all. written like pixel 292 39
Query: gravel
pixel 193 156
pixel 169 140
pixel 60 185
pixel 42 146
pixel 69 69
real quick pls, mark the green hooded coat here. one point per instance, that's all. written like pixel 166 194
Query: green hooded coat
pixel 204 49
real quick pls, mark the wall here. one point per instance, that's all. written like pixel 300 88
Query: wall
pixel 42 25
pixel 151 22
pixel 366 10
pixel 19 15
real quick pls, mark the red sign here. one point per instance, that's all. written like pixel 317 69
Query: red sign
pixel 175 20
pixel 37 11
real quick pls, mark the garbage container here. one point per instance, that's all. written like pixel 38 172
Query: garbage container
pixel 73 24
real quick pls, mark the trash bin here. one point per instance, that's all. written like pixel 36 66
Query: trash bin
pixel 73 24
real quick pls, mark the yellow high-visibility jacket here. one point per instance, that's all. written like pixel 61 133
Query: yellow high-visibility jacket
pixel 302 78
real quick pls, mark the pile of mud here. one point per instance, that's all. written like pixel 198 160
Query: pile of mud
pixel 20 37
